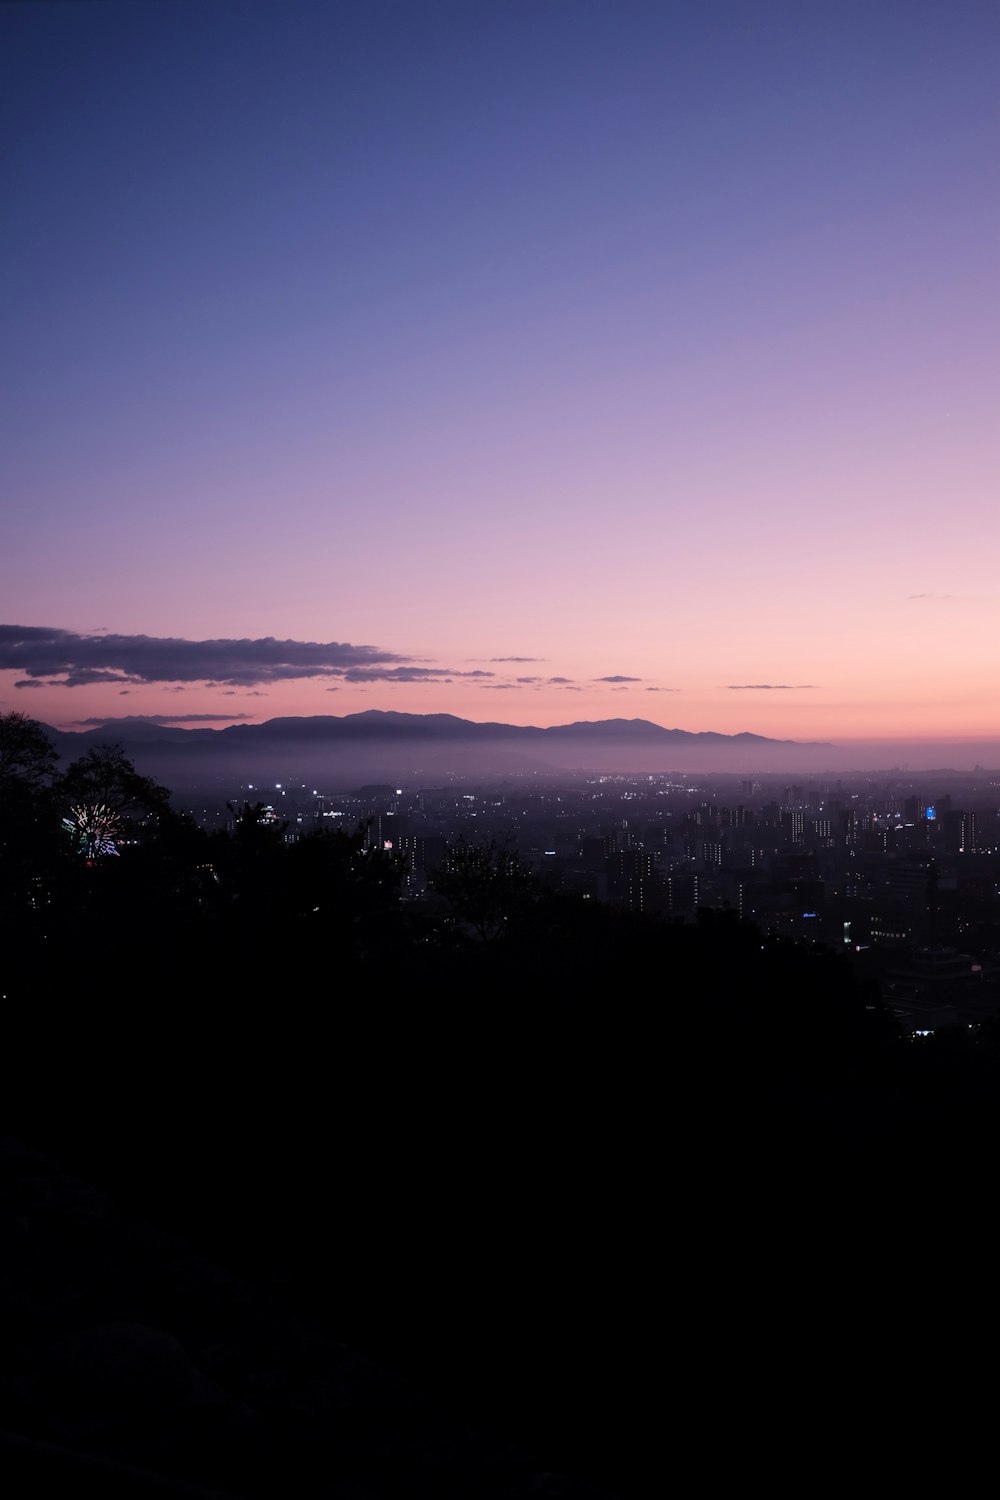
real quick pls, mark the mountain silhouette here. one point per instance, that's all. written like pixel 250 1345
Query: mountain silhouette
pixel 385 745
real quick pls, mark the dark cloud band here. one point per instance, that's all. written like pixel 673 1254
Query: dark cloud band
pixel 63 657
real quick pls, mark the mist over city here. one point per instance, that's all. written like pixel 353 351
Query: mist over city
pixel 499 747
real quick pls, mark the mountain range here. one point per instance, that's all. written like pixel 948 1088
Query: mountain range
pixel 421 745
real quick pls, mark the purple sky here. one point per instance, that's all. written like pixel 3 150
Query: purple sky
pixel 638 341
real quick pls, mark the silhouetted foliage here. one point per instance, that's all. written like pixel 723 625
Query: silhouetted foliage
pixel 30 840
pixel 27 755
pixel 341 892
pixel 106 776
pixel 486 885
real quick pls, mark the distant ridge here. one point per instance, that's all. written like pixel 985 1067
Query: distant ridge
pixel 382 745
pixel 386 724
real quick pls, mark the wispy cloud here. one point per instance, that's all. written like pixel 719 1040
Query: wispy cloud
pixel 96 719
pixel 618 677
pixel 407 674
pixel 769 687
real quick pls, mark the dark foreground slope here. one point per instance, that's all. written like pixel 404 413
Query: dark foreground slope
pixel 596 1187
pixel 134 1365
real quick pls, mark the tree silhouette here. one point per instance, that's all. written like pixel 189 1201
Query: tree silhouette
pixel 104 792
pixel 27 755
pixel 337 886
pixel 255 828
pixel 486 885
pixel 31 850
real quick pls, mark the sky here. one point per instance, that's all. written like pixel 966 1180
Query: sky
pixel 534 361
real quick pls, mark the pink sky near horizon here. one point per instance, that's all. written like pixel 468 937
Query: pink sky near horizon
pixel 665 350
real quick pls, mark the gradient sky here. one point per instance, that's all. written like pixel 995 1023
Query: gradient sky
pixel 643 340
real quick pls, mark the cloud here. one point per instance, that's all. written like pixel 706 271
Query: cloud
pixel 538 682
pixel 502 687
pixel 108 719
pixel 662 690
pixel 930 596
pixel 84 676
pixel 407 674
pixel 28 682
pixel 65 658
pixel 517 658
pixel 768 687
pixel 616 678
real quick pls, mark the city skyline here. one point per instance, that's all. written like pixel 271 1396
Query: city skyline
pixel 568 361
